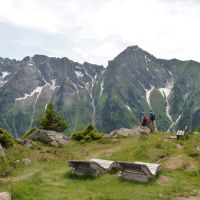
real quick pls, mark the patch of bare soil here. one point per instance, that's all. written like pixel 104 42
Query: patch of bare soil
pixel 164 180
pixel 17 178
pixel 179 146
pixel 189 198
pixel 195 196
pixel 176 162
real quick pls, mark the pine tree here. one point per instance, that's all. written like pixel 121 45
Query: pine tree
pixel 52 120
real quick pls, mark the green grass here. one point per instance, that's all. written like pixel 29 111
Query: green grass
pixel 48 176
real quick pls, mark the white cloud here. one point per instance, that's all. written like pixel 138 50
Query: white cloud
pixel 96 31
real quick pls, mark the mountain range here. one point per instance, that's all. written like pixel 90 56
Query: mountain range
pixel 109 98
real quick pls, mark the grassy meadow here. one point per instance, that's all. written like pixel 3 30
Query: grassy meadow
pixel 48 176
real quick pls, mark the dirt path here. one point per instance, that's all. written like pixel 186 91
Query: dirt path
pixel 17 178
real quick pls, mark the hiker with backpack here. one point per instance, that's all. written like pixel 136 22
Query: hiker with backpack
pixel 152 123
pixel 144 123
pixel 145 120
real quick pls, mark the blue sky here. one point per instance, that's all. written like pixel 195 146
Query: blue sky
pixel 97 30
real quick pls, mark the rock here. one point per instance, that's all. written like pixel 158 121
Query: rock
pixel 5 196
pixel 54 143
pixel 17 163
pixel 26 161
pixel 114 140
pixel 28 143
pixel 197 148
pixel 2 153
pixel 49 137
pixel 19 141
pixel 124 132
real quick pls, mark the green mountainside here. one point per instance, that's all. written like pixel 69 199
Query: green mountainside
pixel 109 98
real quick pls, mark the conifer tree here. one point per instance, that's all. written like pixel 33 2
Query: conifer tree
pixel 52 120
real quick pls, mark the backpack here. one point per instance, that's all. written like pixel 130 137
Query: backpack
pixel 145 120
pixel 152 116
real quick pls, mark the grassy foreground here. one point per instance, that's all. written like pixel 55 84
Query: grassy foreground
pixel 48 177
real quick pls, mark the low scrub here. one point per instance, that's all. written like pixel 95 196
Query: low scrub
pixel 6 138
pixel 87 135
pixel 198 129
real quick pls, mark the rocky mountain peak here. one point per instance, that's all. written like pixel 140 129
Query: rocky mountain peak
pixel 109 98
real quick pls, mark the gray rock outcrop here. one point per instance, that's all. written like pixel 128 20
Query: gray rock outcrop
pixel 125 132
pixel 26 161
pixel 50 137
pixel 2 153
pixel 5 196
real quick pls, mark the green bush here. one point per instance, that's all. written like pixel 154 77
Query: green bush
pixel 6 138
pixel 52 120
pixel 198 129
pixel 87 135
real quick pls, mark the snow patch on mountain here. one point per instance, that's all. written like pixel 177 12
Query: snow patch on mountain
pixel 4 74
pixel 165 93
pixel 101 87
pixel 148 93
pixel 128 107
pixel 52 87
pixel 2 78
pixel 89 88
pixel 79 74
pixel 74 85
pixel 174 123
pixel 36 90
pixel 147 59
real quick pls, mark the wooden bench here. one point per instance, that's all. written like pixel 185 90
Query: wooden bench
pixel 92 167
pixel 137 171
pixel 103 165
pixel 181 133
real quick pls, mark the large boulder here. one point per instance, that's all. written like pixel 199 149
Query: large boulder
pixel 49 137
pixel 5 196
pixel 124 132
pixel 2 153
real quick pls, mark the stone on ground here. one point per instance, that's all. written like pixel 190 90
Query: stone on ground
pixel 125 132
pixel 5 196
pixel 49 137
pixel 2 153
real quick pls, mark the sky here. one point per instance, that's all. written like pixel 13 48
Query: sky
pixel 96 31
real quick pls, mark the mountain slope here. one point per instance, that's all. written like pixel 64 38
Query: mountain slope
pixel 28 86
pixel 110 98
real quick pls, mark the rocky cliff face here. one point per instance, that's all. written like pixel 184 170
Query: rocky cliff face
pixel 110 98
pixel 27 86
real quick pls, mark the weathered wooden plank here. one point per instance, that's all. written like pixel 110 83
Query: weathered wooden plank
pixel 106 164
pixel 81 168
pixel 153 168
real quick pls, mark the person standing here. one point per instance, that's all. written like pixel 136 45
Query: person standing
pixel 152 118
pixel 144 123
pixel 144 120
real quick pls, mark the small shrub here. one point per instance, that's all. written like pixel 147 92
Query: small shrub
pixel 87 135
pixel 52 120
pixel 198 129
pixel 6 138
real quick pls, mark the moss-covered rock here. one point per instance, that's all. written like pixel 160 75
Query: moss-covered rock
pixel 6 138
